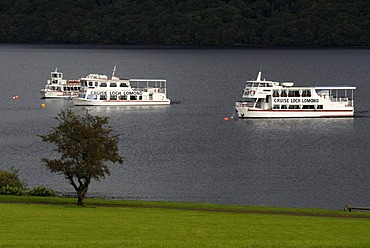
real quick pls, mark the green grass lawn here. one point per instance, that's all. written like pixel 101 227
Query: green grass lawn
pixel 103 223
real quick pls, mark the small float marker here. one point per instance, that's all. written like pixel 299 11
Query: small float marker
pixel 43 105
pixel 15 97
pixel 226 118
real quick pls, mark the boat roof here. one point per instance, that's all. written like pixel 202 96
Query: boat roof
pixel 149 80
pixel 340 87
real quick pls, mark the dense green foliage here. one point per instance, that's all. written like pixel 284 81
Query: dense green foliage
pixel 85 145
pixel 41 191
pixel 10 179
pixel 187 22
pixel 9 190
pixel 11 184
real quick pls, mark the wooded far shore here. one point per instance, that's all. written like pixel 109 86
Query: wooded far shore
pixel 242 23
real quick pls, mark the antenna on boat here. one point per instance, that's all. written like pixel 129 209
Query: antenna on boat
pixel 114 68
pixel 259 76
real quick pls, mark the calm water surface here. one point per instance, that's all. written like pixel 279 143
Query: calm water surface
pixel 186 151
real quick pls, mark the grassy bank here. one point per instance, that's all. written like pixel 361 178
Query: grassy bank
pixel 58 222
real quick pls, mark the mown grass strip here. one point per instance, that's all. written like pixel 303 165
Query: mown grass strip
pixel 67 225
pixel 185 206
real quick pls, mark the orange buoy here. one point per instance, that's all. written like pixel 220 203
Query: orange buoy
pixel 226 118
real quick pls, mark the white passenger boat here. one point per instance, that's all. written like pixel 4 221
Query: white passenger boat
pixel 98 90
pixel 269 99
pixel 57 87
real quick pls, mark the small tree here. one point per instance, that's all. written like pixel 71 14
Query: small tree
pixel 84 145
pixel 11 179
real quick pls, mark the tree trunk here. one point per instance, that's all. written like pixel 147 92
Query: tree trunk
pixel 81 194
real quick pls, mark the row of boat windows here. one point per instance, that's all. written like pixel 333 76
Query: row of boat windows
pixel 297 106
pixel 96 84
pixel 115 97
pixel 250 84
pixel 58 88
pixel 291 93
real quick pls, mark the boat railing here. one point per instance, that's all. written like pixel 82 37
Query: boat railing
pixel 149 89
pixel 241 104
pixel 339 99
pixel 149 85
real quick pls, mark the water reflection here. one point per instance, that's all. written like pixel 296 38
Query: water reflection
pixel 316 125
pixel 126 109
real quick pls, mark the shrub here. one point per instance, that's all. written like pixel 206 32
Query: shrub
pixel 9 190
pixel 41 191
pixel 11 179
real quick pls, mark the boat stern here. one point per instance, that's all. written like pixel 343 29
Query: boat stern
pixel 241 109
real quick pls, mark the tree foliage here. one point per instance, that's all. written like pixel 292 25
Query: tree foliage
pixel 85 146
pixel 11 179
pixel 187 22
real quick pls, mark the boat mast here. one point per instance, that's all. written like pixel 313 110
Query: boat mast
pixel 114 71
pixel 259 76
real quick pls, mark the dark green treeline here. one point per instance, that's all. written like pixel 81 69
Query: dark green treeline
pixel 187 22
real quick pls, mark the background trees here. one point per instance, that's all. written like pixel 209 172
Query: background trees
pixel 85 146
pixel 11 179
pixel 187 22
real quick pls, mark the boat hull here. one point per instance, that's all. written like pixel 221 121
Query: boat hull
pixel 86 102
pixel 259 113
pixel 58 94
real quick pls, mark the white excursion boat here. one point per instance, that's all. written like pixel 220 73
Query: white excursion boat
pixel 98 90
pixel 57 87
pixel 268 99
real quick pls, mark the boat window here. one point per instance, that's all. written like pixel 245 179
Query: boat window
pixel 284 107
pixel 103 84
pixel 293 93
pixel 262 85
pixel 276 107
pixel 90 83
pixel 293 106
pixel 275 93
pixel 113 97
pixel 96 84
pixel 92 97
pixel 123 97
pixel 103 97
pixel 283 93
pixel 123 85
pixel 258 103
pixel 140 97
pixel 306 93
pixel 113 85
pixel 320 107
pixel 308 107
pixel 133 98
pixel 65 88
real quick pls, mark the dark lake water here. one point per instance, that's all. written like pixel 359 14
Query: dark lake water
pixel 186 151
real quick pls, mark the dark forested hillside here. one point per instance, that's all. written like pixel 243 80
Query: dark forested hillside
pixel 187 22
